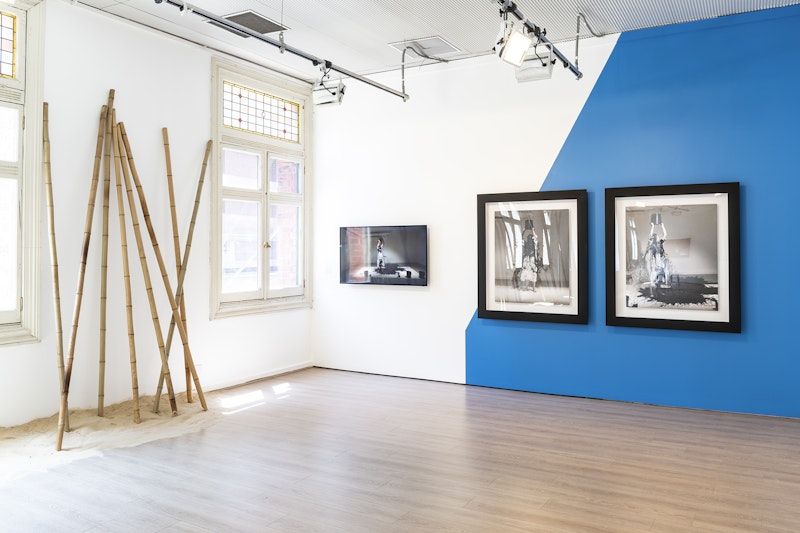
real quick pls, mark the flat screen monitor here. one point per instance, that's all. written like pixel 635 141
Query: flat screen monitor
pixel 386 255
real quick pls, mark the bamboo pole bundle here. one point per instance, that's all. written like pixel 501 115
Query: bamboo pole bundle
pixel 143 260
pixel 162 267
pixel 176 241
pixel 48 183
pixel 87 234
pixel 101 386
pixel 126 275
pixel 184 264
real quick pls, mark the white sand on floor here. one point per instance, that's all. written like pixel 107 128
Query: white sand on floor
pixel 31 447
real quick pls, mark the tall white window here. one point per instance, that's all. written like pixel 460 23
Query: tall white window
pixel 259 240
pixel 20 168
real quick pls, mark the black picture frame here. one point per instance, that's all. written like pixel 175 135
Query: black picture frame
pixel 673 257
pixel 532 256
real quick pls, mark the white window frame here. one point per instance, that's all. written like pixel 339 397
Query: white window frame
pixel 27 90
pixel 264 300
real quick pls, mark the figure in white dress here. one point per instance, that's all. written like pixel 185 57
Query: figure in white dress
pixel 657 262
pixel 381 261
pixel 530 257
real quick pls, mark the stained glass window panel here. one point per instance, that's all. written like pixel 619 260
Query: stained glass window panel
pixel 8 45
pixel 257 112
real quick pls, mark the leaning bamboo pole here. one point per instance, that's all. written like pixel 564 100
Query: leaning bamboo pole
pixel 101 385
pixel 48 185
pixel 126 276
pixel 87 234
pixel 162 267
pixel 184 264
pixel 176 241
pixel 145 270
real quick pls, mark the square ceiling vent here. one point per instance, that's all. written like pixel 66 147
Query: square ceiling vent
pixel 426 46
pixel 252 21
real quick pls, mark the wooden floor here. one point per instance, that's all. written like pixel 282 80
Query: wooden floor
pixel 334 451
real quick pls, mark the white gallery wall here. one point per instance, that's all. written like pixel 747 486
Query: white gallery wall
pixel 159 82
pixel 469 128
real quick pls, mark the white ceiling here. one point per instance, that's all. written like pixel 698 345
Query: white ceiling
pixel 356 34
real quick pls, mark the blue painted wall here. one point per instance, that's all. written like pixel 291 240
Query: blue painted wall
pixel 710 101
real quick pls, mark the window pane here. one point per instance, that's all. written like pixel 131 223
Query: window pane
pixel 9 134
pixel 284 252
pixel 8 244
pixel 284 175
pixel 241 169
pixel 241 246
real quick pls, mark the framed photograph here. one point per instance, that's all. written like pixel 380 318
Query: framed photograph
pixel 532 253
pixel 672 257
pixel 383 255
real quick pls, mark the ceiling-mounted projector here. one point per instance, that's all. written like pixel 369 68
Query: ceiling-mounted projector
pixel 328 92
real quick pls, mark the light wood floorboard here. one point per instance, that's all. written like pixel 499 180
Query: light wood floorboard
pixel 335 451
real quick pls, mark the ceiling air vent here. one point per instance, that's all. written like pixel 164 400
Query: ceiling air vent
pixel 429 46
pixel 252 21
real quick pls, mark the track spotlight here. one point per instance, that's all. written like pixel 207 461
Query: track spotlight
pixel 328 92
pixel 537 64
pixel 512 44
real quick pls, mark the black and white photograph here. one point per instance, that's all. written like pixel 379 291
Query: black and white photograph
pixel 671 257
pixel 531 248
pixel 386 255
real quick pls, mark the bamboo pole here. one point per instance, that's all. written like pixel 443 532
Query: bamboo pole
pixel 101 385
pixel 162 267
pixel 87 234
pixel 184 264
pixel 176 241
pixel 145 270
pixel 126 277
pixel 48 183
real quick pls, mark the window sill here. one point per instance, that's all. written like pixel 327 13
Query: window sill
pixel 16 334
pixel 257 307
